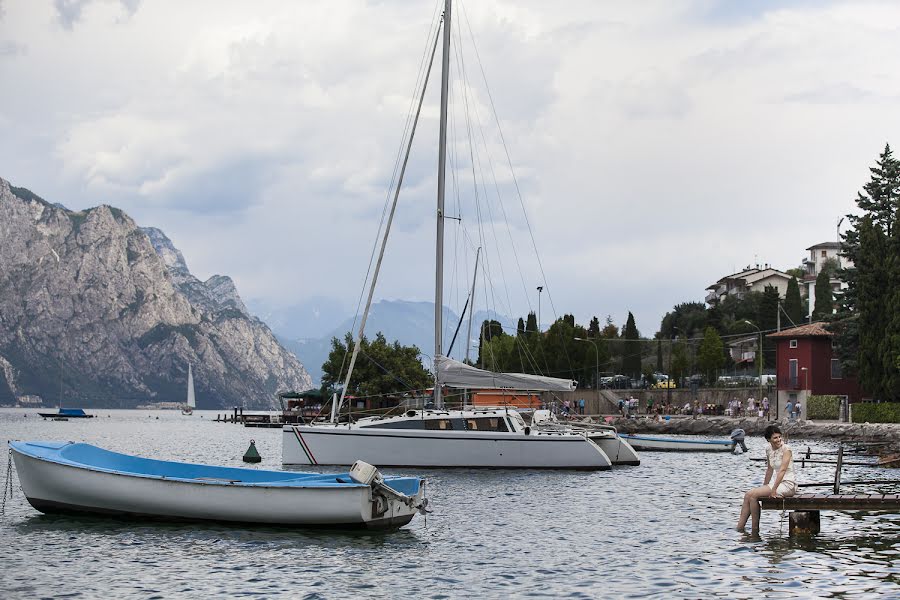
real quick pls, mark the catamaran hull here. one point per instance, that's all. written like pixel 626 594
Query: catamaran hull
pixel 56 488
pixel 654 444
pixel 317 445
pixel 618 450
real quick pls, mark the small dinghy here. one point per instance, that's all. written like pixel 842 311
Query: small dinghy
pixel 657 444
pixel 65 477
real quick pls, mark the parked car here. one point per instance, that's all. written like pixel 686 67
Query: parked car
pixel 665 384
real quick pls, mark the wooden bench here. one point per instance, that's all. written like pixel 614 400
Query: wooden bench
pixel 805 508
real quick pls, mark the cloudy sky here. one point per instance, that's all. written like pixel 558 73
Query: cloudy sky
pixel 654 146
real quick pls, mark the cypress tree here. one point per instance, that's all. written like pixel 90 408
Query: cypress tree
pixel 659 355
pixel 594 328
pixel 793 305
pixel 767 320
pixel 531 324
pixel 824 302
pixel 871 286
pixel 631 361
pixel 520 328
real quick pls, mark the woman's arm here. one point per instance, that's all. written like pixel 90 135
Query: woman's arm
pixel 785 461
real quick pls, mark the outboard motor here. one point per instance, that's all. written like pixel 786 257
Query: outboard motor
pixel 737 436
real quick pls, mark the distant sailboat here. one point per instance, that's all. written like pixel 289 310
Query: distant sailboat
pixel 191 403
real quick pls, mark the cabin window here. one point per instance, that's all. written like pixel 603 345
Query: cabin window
pixel 836 369
pixel 441 424
pixel 486 424
pixel 793 343
pixel 360 404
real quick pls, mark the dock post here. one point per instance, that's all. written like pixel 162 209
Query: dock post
pixel 803 522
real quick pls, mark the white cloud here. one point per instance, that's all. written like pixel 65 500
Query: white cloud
pixel 657 145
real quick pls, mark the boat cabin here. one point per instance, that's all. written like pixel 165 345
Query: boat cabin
pixel 497 420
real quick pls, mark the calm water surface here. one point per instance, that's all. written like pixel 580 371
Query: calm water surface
pixel 662 529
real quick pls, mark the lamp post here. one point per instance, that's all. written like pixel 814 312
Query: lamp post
pixel 597 357
pixel 759 356
pixel 669 381
pixel 540 289
pixel 838 231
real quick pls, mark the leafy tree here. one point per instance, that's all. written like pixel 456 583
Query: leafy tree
pixel 824 301
pixel 381 368
pixel 796 272
pixel 793 305
pixel 631 360
pixel 687 318
pixel 680 360
pixel 711 355
pixel 609 331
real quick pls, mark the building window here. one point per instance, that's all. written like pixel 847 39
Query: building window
pixel 836 369
pixel 824 253
pixel 793 343
pixel 793 372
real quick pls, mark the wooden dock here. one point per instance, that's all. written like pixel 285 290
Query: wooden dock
pixel 867 502
pixel 804 518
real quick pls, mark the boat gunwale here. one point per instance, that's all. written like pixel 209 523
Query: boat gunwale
pixel 628 436
pixel 288 484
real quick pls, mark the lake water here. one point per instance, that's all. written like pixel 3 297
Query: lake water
pixel 662 529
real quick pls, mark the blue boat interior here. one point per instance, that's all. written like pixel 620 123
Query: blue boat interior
pixel 86 456
pixel 675 440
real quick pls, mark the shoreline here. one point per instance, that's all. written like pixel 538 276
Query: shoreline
pixel 755 426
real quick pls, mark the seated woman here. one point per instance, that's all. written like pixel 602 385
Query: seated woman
pixel 780 462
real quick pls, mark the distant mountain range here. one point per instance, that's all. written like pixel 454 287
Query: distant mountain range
pixel 410 323
pixel 95 311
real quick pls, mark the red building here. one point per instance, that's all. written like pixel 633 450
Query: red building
pixel 806 365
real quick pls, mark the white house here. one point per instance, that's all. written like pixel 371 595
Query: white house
pixel 749 280
pixel 818 255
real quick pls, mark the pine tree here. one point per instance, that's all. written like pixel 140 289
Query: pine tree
pixel 793 305
pixel 594 328
pixel 824 302
pixel 631 361
pixel 890 346
pixel 862 311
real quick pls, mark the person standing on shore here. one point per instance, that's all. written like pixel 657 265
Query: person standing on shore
pixel 765 407
pixel 789 409
pixel 780 463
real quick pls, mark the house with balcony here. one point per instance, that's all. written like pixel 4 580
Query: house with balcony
pixel 751 279
pixel 819 256
pixel 806 365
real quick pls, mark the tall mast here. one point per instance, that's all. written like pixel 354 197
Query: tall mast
pixel 442 160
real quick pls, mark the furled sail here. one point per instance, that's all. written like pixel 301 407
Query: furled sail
pixel 455 374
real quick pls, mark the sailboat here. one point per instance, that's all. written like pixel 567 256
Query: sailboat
pixel 191 404
pixel 489 437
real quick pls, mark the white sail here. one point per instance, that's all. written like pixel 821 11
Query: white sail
pixel 455 374
pixel 190 389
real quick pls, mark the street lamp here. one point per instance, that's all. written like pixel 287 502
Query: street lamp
pixel 597 356
pixel 669 381
pixel 839 241
pixel 540 289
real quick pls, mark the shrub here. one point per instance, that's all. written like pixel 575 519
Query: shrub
pixel 872 412
pixel 823 407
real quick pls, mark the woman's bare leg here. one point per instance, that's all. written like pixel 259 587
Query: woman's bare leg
pixel 750 507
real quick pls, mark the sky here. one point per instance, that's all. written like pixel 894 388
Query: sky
pixel 641 150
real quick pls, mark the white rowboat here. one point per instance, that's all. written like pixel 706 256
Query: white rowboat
pixel 65 477
pixel 650 444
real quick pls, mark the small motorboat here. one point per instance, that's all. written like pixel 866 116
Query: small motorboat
pixel 605 436
pixel 67 413
pixel 657 444
pixel 68 477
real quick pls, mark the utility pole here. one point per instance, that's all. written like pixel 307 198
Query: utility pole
pixel 540 289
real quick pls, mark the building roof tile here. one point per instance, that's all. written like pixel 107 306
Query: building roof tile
pixel 816 329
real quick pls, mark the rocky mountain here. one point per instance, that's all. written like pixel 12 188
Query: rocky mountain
pixel 95 311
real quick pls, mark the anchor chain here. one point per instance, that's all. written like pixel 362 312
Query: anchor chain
pixel 8 487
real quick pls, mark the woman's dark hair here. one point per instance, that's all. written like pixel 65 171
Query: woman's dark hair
pixel 771 430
